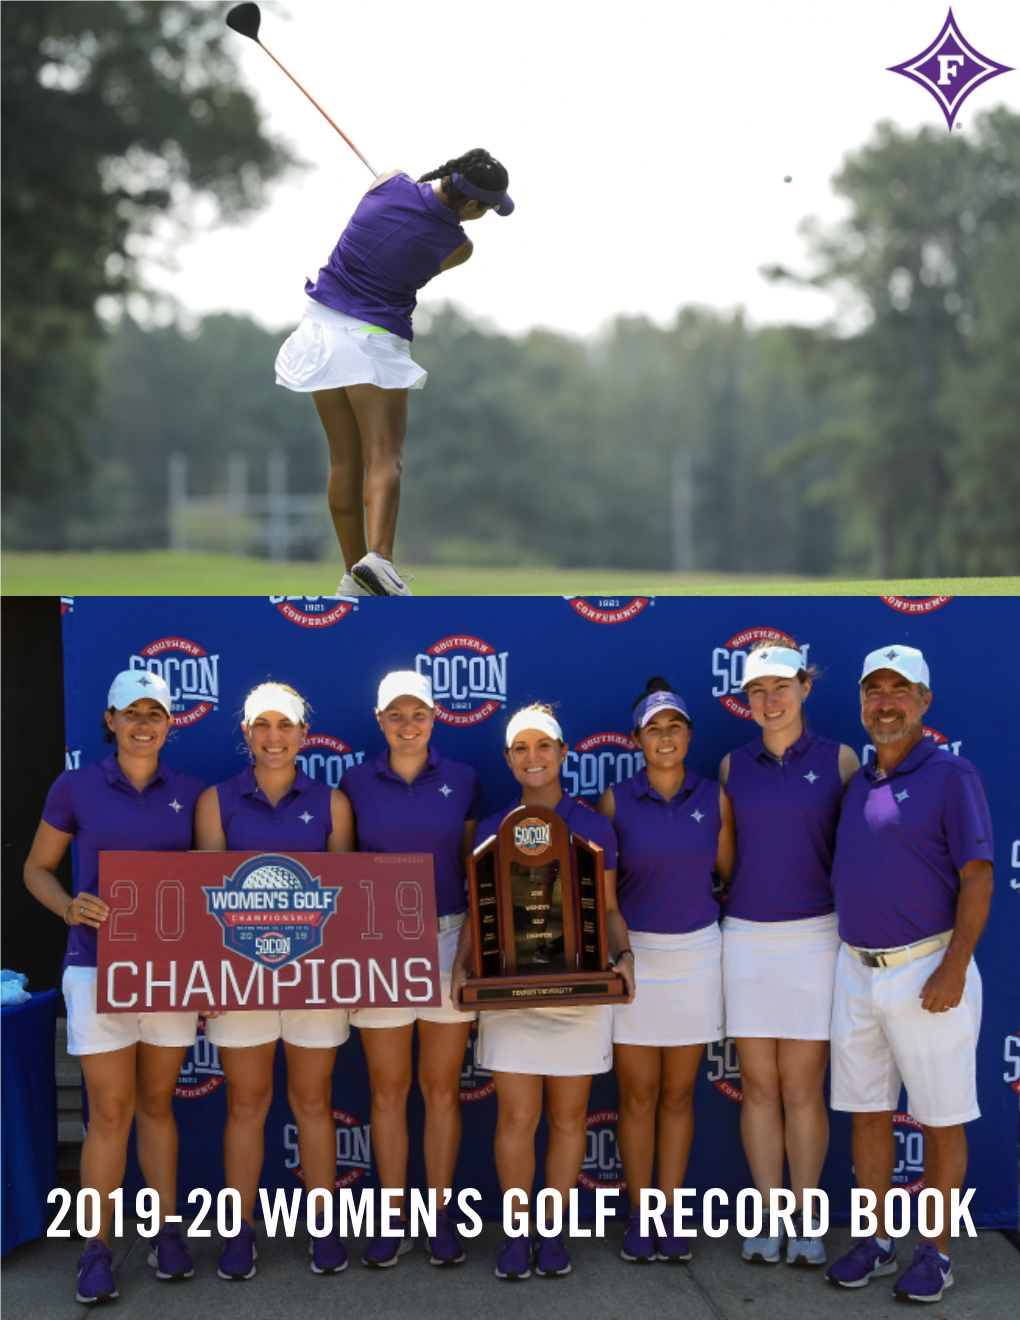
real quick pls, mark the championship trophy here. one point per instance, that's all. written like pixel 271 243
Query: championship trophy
pixel 537 907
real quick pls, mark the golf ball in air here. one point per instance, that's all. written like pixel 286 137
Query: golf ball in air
pixel 787 178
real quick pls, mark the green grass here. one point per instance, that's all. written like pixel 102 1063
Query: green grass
pixel 159 573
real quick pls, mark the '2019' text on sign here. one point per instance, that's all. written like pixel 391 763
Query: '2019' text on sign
pixel 232 931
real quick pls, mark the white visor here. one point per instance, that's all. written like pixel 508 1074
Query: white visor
pixel 904 660
pixel 771 662
pixel 533 719
pixel 134 684
pixel 404 683
pixel 271 696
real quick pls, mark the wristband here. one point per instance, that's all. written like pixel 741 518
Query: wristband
pixel 67 911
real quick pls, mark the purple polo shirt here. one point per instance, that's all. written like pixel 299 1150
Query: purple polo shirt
pixel 581 819
pixel 427 815
pixel 394 243
pixel 300 822
pixel 786 815
pixel 667 852
pixel 903 839
pixel 106 813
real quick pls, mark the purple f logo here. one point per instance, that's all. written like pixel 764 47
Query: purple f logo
pixel 950 68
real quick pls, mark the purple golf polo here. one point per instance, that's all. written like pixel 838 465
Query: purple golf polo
pixel 106 813
pixel 394 243
pixel 581 819
pixel 300 822
pixel 786 815
pixel 903 840
pixel 426 816
pixel 667 852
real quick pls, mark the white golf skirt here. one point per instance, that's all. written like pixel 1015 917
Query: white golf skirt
pixel 574 1040
pixel 679 992
pixel 778 977
pixel 329 350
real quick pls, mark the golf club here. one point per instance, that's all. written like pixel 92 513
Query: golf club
pixel 245 19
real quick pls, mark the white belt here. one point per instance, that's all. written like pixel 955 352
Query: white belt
pixel 451 921
pixel 904 954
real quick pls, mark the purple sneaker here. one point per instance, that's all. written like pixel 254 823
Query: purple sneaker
pixel 95 1274
pixel 382 1252
pixel 328 1254
pixel 446 1245
pixel 929 1273
pixel 237 1259
pixel 673 1247
pixel 865 1260
pixel 169 1254
pixel 553 1257
pixel 514 1259
pixel 637 1247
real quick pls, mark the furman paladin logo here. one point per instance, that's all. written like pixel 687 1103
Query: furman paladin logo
pixel 608 609
pixel 532 836
pixel 313 611
pixel 950 68
pixel 271 909
pixel 728 665
pixel 468 679
pixel 192 676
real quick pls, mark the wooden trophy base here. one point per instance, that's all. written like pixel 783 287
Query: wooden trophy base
pixel 486 992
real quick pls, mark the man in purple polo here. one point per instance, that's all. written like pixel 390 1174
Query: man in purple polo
pixel 912 879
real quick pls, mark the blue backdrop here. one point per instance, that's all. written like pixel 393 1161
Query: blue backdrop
pixel 486 657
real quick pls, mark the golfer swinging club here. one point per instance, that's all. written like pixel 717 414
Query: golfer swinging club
pixel 351 351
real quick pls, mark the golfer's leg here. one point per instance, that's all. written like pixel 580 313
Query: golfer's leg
pixel 382 424
pixel 346 472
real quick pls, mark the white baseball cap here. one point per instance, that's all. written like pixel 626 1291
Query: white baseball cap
pixel 771 662
pixel 904 660
pixel 533 718
pixel 134 684
pixel 404 683
pixel 273 696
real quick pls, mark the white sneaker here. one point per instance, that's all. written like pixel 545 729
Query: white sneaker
pixel 802 1250
pixel 348 587
pixel 767 1249
pixel 379 577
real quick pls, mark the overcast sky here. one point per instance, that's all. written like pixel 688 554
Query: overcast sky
pixel 646 143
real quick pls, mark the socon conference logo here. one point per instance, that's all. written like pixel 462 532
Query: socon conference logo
pixel 313 611
pixel 201 1072
pixel 916 604
pixel 468 679
pixel 608 609
pixel 728 665
pixel 325 758
pixel 475 1081
pixel 722 1068
pixel 598 762
pixel 353 1150
pixel 192 676
pixel 950 68
pixel 908 1170
pixel 271 909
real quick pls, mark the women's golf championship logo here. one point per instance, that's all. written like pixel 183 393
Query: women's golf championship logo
pixel 201 1072
pixel 728 665
pixel 608 609
pixel 602 1166
pixel 353 1150
pixel 312 611
pixel 908 1171
pixel 598 762
pixel 271 909
pixel 916 604
pixel 192 676
pixel 468 679
pixel 325 758
pixel 532 837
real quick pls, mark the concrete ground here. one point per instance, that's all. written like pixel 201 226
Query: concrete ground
pixel 39 1284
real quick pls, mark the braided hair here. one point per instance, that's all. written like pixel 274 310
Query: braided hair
pixel 478 167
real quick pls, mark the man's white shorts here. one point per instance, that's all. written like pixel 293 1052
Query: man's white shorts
pixel 311 1028
pixel 882 1037
pixel 91 1032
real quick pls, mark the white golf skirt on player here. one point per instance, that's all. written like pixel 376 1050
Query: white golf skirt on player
pixel 778 977
pixel 366 1018
pixel 679 994
pixel 92 1032
pixel 311 1028
pixel 330 349
pixel 574 1040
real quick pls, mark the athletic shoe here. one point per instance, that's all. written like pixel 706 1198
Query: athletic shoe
pixel 379 577
pixel 803 1250
pixel 446 1245
pixel 553 1257
pixel 514 1259
pixel 237 1259
pixel 169 1254
pixel 673 1247
pixel 763 1248
pixel 929 1273
pixel 637 1246
pixel 95 1274
pixel 328 1253
pixel 382 1252
pixel 348 587
pixel 865 1260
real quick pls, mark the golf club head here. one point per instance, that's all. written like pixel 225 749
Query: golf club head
pixel 245 19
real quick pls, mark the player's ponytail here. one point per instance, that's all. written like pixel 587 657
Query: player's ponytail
pixel 478 167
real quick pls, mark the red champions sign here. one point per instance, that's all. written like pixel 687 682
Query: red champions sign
pixel 234 931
